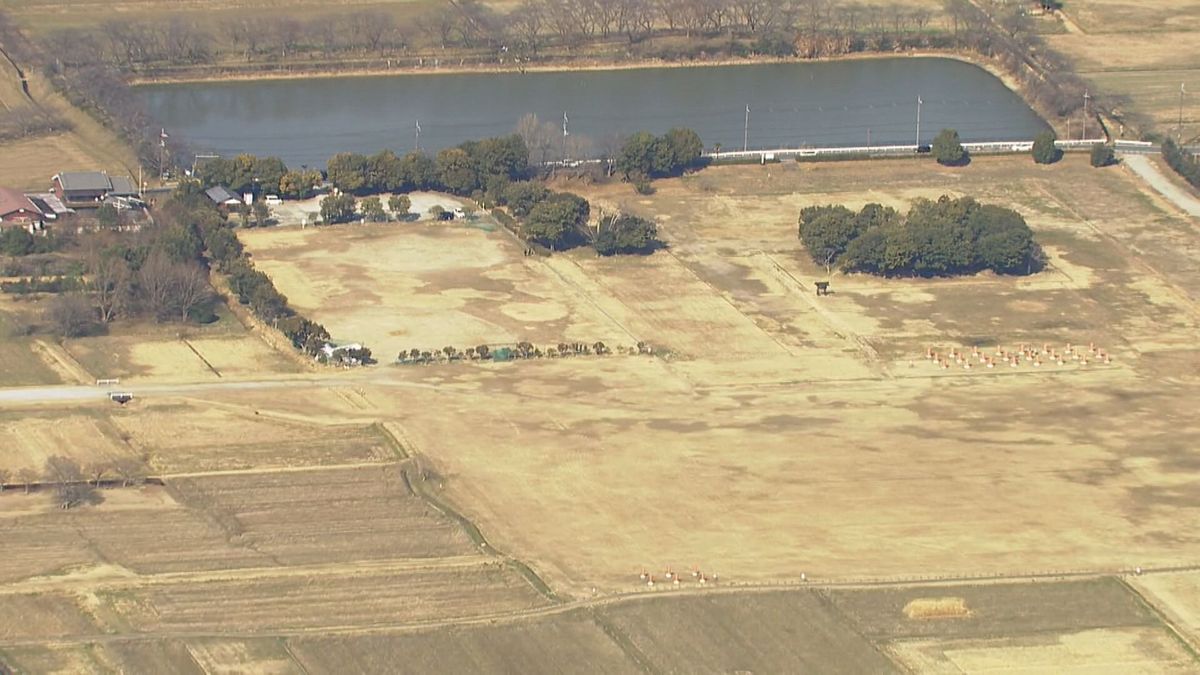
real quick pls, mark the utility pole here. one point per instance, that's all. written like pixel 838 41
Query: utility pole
pixel 919 102
pixel 564 139
pixel 746 131
pixel 1083 134
pixel 1180 128
pixel 162 152
pixel 417 143
pixel 868 137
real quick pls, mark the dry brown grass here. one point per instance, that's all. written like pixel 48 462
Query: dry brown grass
pixel 936 608
pixel 1139 50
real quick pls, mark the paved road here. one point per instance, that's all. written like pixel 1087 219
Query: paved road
pixel 1145 168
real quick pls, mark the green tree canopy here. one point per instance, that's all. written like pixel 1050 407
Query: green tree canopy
pixel 1044 149
pixel 419 171
pixel 948 149
pixel 337 209
pixel 348 172
pixel 626 234
pixel 557 221
pixel 456 172
pixel 1102 155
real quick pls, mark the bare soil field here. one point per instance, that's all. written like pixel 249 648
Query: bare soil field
pixel 405 285
pixel 566 643
pixel 28 440
pixel 350 598
pixel 789 632
pixel 344 515
pixel 1177 596
pixel 1115 651
pixel 139 358
pixel 996 609
pixel 183 436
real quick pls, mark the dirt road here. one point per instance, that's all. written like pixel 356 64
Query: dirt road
pixel 1144 167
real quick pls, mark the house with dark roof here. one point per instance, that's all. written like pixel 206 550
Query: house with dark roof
pixel 89 188
pixel 17 210
pixel 223 197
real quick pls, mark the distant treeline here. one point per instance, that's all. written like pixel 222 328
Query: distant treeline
pixel 947 237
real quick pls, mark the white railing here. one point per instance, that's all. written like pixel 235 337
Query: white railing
pixel 876 150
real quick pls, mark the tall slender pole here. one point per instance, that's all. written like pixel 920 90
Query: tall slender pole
pixel 746 131
pixel 1180 129
pixel 919 102
pixel 1083 134
pixel 564 139
pixel 417 142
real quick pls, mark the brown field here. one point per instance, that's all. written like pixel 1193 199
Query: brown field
pixel 180 437
pixel 27 441
pixel 1177 596
pixel 1141 50
pixel 1118 651
pixel 567 643
pixel 790 632
pixel 226 352
pixel 816 396
pixel 775 434
pixel 427 286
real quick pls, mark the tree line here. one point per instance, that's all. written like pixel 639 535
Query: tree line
pixel 947 237
pixel 75 484
pixel 1182 161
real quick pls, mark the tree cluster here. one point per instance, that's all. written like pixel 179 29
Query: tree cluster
pixel 470 168
pixel 625 234
pixel 245 174
pixel 947 237
pixel 645 155
pixel 1183 161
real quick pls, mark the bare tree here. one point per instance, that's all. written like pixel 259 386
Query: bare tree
pixel 96 471
pixel 130 471
pixel 5 476
pixel 68 480
pixel 108 281
pixel 190 288
pixel 27 477
pixel 71 315
pixel 539 137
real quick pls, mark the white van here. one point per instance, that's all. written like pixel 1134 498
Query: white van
pixel 273 200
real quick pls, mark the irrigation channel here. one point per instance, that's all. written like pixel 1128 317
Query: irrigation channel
pixel 855 103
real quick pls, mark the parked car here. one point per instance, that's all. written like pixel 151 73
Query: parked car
pixel 273 200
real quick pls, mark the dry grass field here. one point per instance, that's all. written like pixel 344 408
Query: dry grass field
pixel 774 434
pixel 1140 49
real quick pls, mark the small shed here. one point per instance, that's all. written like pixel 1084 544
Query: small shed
pixel 223 197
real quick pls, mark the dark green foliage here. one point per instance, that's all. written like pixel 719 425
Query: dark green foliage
pixel 420 172
pixel 372 210
pixel 626 234
pixel 244 173
pixel 337 209
pixel 521 197
pixel 1184 162
pixel 456 172
pixel 942 238
pixel 557 221
pixel 1044 149
pixel 385 172
pixel 645 155
pixel 348 172
pixel 299 184
pixel 948 149
pixel 17 241
pixel 1102 155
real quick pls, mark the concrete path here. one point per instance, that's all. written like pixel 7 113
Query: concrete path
pixel 1145 168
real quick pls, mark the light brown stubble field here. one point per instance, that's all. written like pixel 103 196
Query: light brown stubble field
pixel 786 434
pixel 775 434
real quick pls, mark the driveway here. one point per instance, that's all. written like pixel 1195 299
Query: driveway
pixel 1145 168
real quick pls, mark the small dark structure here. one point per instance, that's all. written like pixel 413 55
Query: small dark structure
pixel 822 287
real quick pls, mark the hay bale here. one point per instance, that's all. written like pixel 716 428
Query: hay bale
pixel 937 608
